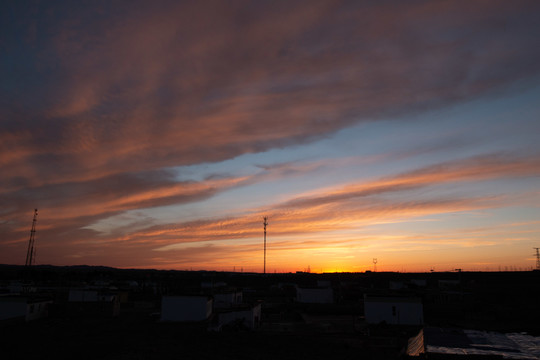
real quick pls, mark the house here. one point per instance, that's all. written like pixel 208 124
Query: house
pixel 324 283
pixel 421 283
pixel 89 303
pixel 396 285
pixel 449 284
pixel 186 308
pixel 315 295
pixel 246 316
pixel 213 285
pixel 82 295
pixel 393 310
pixel 227 299
pixel 23 308
pixel 411 284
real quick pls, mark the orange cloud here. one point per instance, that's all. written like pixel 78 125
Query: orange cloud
pixel 355 205
pixel 296 225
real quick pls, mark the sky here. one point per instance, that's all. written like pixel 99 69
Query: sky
pixel 158 134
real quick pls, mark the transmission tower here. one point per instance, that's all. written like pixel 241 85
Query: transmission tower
pixel 30 253
pixel 265 222
pixel 374 264
pixel 537 258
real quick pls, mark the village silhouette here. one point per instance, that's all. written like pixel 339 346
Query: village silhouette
pixel 108 313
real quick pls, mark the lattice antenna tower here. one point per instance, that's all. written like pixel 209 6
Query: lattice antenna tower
pixel 30 252
pixel 265 223
pixel 537 258
pixel 374 264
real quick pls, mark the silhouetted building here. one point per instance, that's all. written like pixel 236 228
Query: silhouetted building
pixel 241 316
pixel 393 310
pixel 227 299
pixel 449 284
pixel 23 308
pixel 421 283
pixel 396 285
pixel 186 308
pixel 315 295
pixel 90 303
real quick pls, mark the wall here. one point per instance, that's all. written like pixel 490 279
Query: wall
pixel 225 300
pixel 251 317
pixel 393 311
pixel 83 295
pixel 315 295
pixel 13 308
pixel 37 310
pixel 21 308
pixel 185 308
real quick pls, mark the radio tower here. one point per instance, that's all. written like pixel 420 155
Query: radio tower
pixel 265 222
pixel 537 258
pixel 30 253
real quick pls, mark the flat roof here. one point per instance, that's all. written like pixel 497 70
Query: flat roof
pixel 475 342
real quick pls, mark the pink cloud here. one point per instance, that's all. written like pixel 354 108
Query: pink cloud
pixel 184 83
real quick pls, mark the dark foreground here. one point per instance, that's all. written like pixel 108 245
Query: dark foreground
pixel 501 302
pixel 123 338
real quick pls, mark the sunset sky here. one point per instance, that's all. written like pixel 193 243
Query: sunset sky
pixel 158 134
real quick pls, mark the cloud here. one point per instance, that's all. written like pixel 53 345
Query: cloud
pixel 99 100
pixel 85 202
pixel 347 208
pixel 470 169
pixel 356 205
pixel 143 86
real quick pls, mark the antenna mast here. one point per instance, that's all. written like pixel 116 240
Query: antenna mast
pixel 30 253
pixel 537 258
pixel 265 222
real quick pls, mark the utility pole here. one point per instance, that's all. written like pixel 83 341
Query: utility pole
pixel 265 222
pixel 30 253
